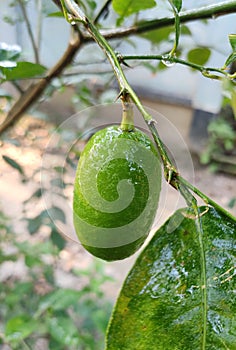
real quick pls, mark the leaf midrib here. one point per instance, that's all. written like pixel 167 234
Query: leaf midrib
pixel 203 278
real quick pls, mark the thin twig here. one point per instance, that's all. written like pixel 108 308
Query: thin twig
pixel 29 29
pixel 172 59
pixel 87 72
pixel 17 87
pixel 39 25
pixel 103 11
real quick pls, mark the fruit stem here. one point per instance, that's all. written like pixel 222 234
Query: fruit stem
pixel 127 123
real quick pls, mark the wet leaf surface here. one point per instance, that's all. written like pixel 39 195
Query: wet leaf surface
pixel 165 305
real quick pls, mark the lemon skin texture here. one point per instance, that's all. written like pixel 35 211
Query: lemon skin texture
pixel 116 192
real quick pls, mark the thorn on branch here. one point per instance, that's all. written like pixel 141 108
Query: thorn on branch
pixel 122 61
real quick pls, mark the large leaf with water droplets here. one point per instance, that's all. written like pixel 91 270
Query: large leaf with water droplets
pixel 181 292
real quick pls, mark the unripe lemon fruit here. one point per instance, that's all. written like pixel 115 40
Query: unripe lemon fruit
pixel 116 192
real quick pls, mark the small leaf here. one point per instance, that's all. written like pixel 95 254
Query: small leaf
pixel 55 14
pixel 9 52
pixel 23 70
pixel 14 164
pixel 232 40
pixel 177 4
pixel 232 202
pixel 158 35
pixel 18 293
pixel 32 261
pixel 57 213
pixel 64 331
pixel 19 327
pixel 164 305
pixel 125 8
pixel 57 239
pixel 230 59
pixel 199 55
pixel 34 224
pixel 59 299
pixel 60 169
pixel 37 194
pixel 185 30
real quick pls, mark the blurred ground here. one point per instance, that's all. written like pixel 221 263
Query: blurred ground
pixel 28 140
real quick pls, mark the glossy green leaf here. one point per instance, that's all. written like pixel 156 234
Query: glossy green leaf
pixel 23 70
pixel 125 8
pixel 180 294
pixel 199 55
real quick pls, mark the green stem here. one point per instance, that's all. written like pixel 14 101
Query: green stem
pixel 205 12
pixel 127 123
pixel 172 59
pixel 177 29
pixel 203 196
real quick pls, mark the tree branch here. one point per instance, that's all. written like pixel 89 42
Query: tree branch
pixel 35 90
pixel 29 29
pixel 206 12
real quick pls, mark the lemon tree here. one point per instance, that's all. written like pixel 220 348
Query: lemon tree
pixel 180 294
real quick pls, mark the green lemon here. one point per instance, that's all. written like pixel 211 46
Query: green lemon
pixel 116 192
